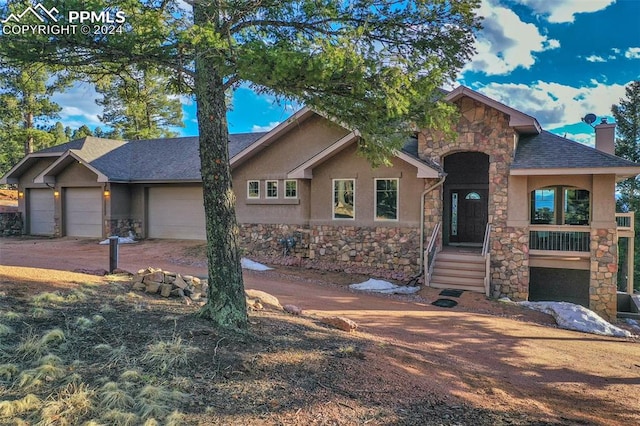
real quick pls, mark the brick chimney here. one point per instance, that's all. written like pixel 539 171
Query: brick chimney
pixel 605 137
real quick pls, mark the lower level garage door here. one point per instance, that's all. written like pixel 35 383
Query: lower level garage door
pixel 40 208
pixel 83 212
pixel 176 212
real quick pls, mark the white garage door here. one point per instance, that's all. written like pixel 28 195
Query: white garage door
pixel 83 212
pixel 40 211
pixel 176 212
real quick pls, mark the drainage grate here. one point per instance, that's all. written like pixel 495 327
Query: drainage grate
pixel 445 303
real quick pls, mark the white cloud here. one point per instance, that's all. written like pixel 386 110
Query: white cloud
pixel 632 53
pixel 559 11
pixel 258 128
pixel 595 58
pixel 555 105
pixel 506 42
pixel 79 105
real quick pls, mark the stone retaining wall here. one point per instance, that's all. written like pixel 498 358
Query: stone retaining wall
pixel 10 224
pixel 389 250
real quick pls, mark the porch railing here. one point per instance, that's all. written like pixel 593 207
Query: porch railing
pixel 626 229
pixel 430 254
pixel 487 259
pixel 554 239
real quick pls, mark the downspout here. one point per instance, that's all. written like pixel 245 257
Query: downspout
pixel 424 193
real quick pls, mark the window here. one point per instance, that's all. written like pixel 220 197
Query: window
pixel 560 206
pixel 576 206
pixel 543 202
pixel 344 195
pixel 290 189
pixel 272 189
pixel 253 189
pixel 472 196
pixel 386 199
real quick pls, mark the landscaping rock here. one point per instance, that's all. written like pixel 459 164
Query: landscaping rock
pixel 152 287
pixel 341 323
pixel 292 309
pixel 165 290
pixel 157 277
pixel 264 298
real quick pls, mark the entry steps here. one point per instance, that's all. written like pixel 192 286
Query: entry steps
pixel 459 271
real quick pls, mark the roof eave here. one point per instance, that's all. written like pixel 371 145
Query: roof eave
pixel 305 170
pixel 13 175
pixel 48 175
pixel 620 172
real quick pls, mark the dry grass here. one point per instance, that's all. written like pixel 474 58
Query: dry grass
pixel 167 355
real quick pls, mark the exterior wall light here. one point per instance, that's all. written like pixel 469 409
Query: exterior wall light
pixel 20 194
pixel 56 193
pixel 107 192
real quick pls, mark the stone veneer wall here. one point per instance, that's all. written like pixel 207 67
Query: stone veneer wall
pixel 122 227
pixel 391 252
pixel 10 224
pixel 485 129
pixel 604 271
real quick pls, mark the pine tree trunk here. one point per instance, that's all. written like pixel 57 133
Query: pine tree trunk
pixel 226 305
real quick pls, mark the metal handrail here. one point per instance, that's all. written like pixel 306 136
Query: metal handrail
pixel 487 259
pixel 430 254
pixel 485 242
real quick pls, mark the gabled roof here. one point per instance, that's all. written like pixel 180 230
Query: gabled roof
pixel 13 175
pixel 549 154
pixel 520 121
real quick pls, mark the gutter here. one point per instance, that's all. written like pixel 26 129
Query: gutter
pixel 424 193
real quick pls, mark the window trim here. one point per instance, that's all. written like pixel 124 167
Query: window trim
pixel 249 196
pixel 266 189
pixel 295 181
pixel 333 199
pixel 375 200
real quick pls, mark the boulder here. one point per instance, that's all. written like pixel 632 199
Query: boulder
pixel 157 277
pixel 152 287
pixel 292 309
pixel 165 290
pixel 179 282
pixel 341 323
pixel 264 298
pixel 139 286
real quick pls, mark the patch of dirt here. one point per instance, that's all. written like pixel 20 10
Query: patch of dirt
pixel 409 363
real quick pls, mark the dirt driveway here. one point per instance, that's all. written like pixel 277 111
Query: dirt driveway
pixel 481 352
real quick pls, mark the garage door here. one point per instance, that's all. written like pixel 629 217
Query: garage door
pixel 176 212
pixel 83 212
pixel 40 211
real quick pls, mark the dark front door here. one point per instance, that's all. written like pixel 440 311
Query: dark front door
pixel 468 215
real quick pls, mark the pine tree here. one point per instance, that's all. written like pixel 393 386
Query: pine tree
pixel 137 106
pixel 627 117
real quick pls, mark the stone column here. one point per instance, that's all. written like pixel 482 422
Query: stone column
pixel 604 268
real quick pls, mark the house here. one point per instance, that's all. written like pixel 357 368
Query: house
pixel 507 208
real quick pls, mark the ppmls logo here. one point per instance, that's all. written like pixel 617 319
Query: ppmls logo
pixel 38 11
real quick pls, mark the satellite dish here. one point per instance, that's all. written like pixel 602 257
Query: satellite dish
pixel 589 119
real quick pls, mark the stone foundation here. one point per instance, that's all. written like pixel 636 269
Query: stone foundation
pixel 10 224
pixel 384 251
pixel 604 272
pixel 122 227
pixel 510 263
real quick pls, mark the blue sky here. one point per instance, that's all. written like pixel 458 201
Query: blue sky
pixel 556 60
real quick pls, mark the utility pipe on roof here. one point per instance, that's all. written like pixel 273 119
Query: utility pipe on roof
pixel 424 193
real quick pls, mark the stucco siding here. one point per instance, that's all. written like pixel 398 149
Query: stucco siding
pixel 349 165
pixel 273 163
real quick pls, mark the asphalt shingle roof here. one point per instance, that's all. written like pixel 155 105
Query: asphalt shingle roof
pixel 148 160
pixel 549 151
